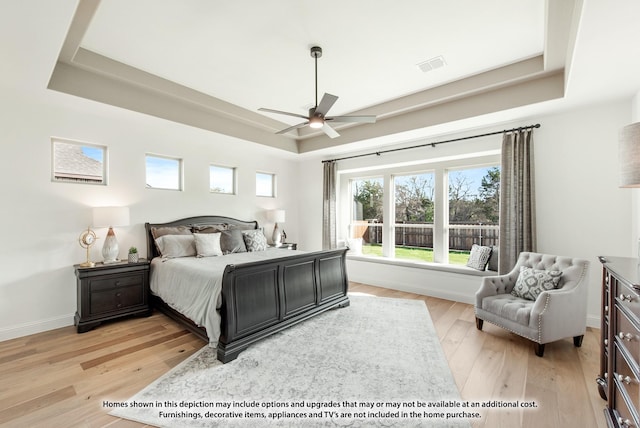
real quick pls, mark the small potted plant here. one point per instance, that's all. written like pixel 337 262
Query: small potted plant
pixel 133 255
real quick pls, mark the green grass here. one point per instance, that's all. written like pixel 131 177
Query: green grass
pixel 413 253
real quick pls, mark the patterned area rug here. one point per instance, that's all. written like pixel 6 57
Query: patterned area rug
pixel 377 362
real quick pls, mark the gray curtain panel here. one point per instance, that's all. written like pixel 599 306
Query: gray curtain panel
pixel 517 198
pixel 329 239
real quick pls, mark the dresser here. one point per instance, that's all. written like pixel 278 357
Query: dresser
pixel 111 291
pixel 618 380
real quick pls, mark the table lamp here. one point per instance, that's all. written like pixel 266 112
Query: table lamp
pixel 110 217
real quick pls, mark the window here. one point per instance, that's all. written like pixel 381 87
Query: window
pixel 474 210
pixel 76 162
pixel 163 172
pixel 222 179
pixel 414 213
pixel 367 214
pixel 265 184
pixel 439 209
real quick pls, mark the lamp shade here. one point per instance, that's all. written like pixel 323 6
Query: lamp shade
pixel 629 151
pixel 110 216
pixel 277 216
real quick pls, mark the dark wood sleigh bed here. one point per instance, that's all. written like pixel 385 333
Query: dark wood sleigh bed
pixel 264 297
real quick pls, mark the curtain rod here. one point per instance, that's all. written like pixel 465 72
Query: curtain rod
pixel 378 153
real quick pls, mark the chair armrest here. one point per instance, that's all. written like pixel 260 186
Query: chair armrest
pixel 492 285
pixel 561 313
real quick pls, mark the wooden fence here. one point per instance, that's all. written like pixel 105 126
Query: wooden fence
pixel 461 237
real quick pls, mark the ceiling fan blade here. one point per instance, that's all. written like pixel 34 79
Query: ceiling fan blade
pixel 291 128
pixel 332 133
pixel 283 112
pixel 360 119
pixel 326 103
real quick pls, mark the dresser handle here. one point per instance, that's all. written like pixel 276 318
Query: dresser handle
pixel 624 422
pixel 624 297
pixel 627 336
pixel 624 379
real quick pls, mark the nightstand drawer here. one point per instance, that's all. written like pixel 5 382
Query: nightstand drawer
pixel 98 285
pixel 120 298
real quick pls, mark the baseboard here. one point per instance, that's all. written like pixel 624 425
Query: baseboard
pixel 34 327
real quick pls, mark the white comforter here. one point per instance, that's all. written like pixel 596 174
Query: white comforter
pixel 193 286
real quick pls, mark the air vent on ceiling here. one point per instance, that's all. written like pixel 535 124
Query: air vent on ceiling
pixel 432 64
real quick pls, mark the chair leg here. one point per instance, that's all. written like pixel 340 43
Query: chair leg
pixel 479 323
pixel 539 348
pixel 577 340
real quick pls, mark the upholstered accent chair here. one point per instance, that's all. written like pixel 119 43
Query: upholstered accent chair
pixel 544 299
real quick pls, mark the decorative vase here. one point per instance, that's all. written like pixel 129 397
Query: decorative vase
pixel 133 258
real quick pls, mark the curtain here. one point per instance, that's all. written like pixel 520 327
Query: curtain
pixel 517 198
pixel 329 235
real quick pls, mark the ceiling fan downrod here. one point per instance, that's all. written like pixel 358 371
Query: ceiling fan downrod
pixel 316 52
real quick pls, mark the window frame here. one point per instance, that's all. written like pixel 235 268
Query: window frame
pixel 440 168
pixel 165 157
pixel 105 162
pixel 234 179
pixel 273 184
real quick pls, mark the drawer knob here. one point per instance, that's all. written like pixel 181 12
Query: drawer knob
pixel 624 422
pixel 606 342
pixel 606 309
pixel 118 283
pixel 624 379
pixel 625 336
pixel 627 297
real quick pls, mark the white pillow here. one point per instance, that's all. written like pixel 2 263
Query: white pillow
pixel 208 244
pixel 171 246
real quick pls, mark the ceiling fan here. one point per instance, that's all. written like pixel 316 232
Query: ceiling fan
pixel 317 117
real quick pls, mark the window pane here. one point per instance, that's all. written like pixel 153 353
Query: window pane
pixel 474 210
pixel 79 163
pixel 265 184
pixel 366 217
pixel 164 173
pixel 222 179
pixel 414 210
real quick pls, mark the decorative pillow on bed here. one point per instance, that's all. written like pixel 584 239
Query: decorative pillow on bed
pixel 207 244
pixel 174 230
pixel 210 228
pixel 532 282
pixel 171 246
pixel 479 257
pixel 255 240
pixel 231 241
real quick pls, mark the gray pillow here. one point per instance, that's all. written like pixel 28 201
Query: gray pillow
pixel 231 241
pixel 255 240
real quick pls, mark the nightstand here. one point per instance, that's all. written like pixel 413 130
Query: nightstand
pixel 286 246
pixel 111 291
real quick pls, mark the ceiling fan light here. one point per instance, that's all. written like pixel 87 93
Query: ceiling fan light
pixel 316 122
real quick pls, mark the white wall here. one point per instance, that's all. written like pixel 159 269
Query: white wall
pixel 581 212
pixel 41 220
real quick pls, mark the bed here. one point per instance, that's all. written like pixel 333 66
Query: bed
pixel 248 295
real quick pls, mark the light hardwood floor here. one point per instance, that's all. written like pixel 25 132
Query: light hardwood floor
pixel 60 378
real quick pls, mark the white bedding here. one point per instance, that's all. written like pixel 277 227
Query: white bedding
pixel 193 285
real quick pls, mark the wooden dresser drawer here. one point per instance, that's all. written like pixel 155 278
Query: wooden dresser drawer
pixel 116 299
pixel 626 377
pixel 628 298
pixel 628 336
pixel 98 285
pixel 623 416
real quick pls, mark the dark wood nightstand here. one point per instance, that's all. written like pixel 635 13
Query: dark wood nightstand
pixel 107 292
pixel 286 246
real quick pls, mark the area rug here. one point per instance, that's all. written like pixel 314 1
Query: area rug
pixel 377 362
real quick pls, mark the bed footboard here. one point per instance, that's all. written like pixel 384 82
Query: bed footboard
pixel 262 298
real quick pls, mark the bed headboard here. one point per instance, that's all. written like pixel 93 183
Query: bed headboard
pixel 204 220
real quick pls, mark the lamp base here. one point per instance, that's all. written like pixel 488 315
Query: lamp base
pixel 277 236
pixel 110 248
